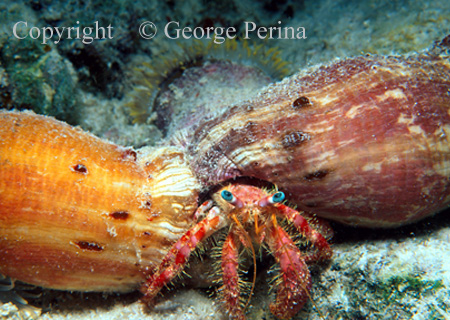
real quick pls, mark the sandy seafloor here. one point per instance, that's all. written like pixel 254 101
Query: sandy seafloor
pixel 374 274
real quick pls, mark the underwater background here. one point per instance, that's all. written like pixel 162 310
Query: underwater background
pixel 115 88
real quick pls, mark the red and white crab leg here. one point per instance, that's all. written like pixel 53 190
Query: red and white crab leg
pixel 178 256
pixel 321 246
pixel 230 290
pixel 295 280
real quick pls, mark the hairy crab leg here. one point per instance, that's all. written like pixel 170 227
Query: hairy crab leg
pixel 231 290
pixel 178 256
pixel 295 280
pixel 321 246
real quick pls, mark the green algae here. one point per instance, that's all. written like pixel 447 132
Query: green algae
pixel 398 287
pixel 39 79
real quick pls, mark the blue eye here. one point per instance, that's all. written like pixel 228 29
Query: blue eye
pixel 227 196
pixel 278 197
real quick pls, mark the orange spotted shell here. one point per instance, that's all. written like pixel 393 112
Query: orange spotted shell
pixel 80 213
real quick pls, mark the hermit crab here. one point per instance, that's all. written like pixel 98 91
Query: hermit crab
pixel 252 217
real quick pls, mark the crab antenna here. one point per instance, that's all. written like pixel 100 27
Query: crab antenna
pixel 254 260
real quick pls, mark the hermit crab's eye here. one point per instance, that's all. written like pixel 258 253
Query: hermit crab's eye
pixel 227 196
pixel 278 197
pixel 231 199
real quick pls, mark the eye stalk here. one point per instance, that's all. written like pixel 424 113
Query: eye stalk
pixel 277 197
pixel 229 197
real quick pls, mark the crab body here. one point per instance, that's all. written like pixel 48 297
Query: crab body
pixel 254 218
